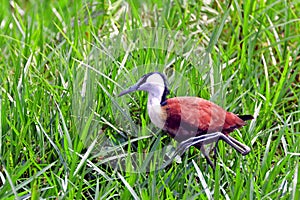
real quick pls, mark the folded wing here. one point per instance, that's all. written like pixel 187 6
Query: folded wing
pixel 191 116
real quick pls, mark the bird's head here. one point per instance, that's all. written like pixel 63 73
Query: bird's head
pixel 155 83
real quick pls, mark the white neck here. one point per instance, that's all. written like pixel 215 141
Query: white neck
pixel 155 94
pixel 153 100
pixel 154 107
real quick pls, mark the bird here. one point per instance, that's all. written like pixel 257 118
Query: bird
pixel 189 119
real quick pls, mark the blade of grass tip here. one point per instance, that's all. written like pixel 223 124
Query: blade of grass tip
pixel 103 50
pixel 133 193
pixel 211 74
pixel 224 192
pixel 275 34
pixel 35 192
pixel 29 180
pixel 97 189
pixel 69 41
pixel 281 81
pixel 148 159
pixel 296 183
pixel 215 35
pixel 108 123
pixel 2 177
pixel 60 19
pixel 67 134
pixel 19 24
pixel 40 127
pixel 13 188
pixel 107 194
pixel 114 149
pixel 1 122
pixel 251 189
pixel 283 187
pixel 217 182
pixel 97 169
pixel 84 133
pixel 272 175
pixel 128 118
pixel 123 144
pixel 255 115
pixel 65 182
pixel 10 98
pixel 116 157
pixel 84 158
pixel 267 106
pixel 238 185
pixel 264 160
pixel 97 72
pixel 202 180
pixel 127 53
pixel 22 76
pixel 284 145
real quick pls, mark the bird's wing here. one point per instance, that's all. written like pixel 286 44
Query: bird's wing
pixel 191 116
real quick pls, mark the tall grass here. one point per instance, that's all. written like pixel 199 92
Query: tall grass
pixel 64 133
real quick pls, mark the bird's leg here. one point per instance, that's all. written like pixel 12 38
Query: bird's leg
pixel 205 139
pixel 215 137
pixel 215 152
pixel 202 139
pixel 207 158
pixel 240 147
pixel 208 139
pixel 184 145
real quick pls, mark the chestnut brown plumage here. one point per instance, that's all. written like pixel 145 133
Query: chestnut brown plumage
pixel 187 117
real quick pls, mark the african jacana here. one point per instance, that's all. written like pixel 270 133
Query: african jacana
pixel 186 118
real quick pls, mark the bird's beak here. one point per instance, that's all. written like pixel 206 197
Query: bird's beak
pixel 131 89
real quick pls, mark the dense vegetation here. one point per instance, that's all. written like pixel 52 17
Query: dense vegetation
pixel 64 134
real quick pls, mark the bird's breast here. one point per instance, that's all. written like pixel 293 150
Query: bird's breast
pixel 157 115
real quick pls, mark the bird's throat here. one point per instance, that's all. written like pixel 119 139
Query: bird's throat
pixel 155 111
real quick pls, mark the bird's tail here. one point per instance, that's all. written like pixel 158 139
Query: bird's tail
pixel 246 117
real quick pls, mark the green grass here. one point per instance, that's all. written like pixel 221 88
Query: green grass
pixel 64 134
